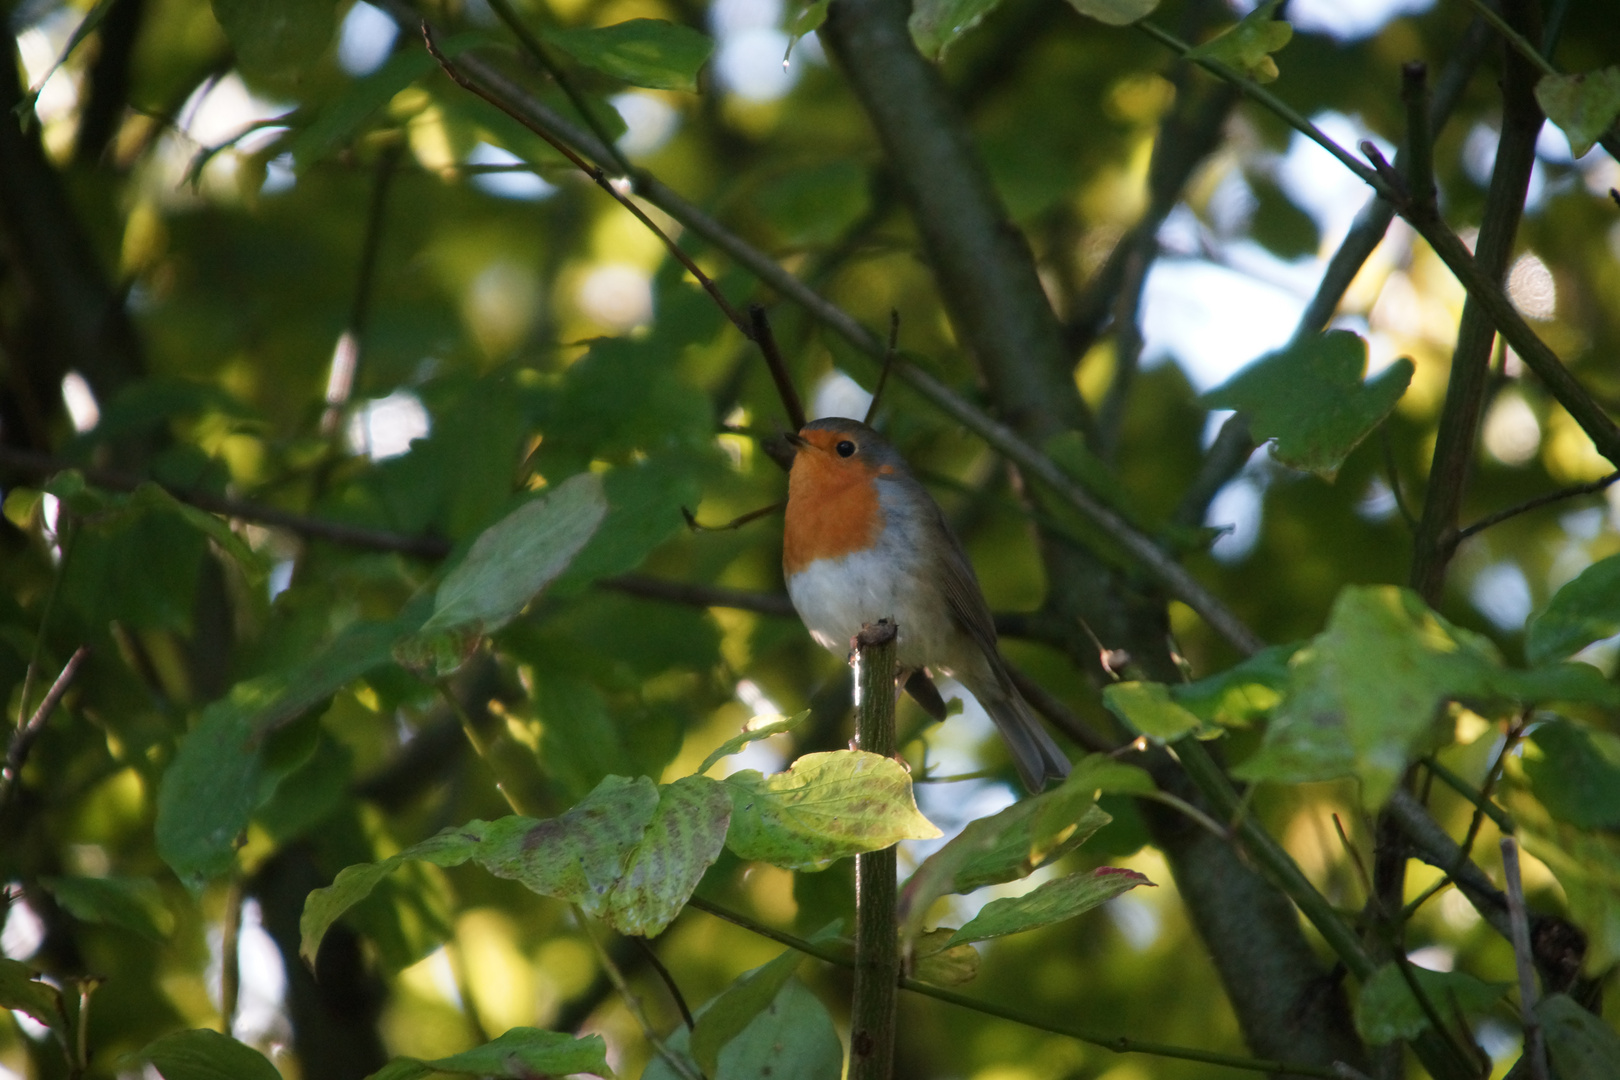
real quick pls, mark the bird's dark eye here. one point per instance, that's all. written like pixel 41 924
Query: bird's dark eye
pixel 845 448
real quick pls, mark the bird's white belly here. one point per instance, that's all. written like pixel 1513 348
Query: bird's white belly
pixel 835 597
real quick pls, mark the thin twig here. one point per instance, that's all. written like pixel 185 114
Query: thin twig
pixel 1118 1044
pixel 597 176
pixel 1534 1048
pixel 651 955
pixel 1590 488
pixel 23 741
pixel 230 961
pixel 735 523
pixel 759 329
pixel 680 1065
pixel 888 365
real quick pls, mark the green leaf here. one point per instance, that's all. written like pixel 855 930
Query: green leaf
pixel 1115 12
pixel 202 1054
pixel 276 38
pixel 643 52
pixel 1005 846
pixel 1585 610
pixel 21 991
pixel 1070 811
pixel 323 907
pixel 222 775
pixel 644 510
pixel 1386 1008
pixel 1050 903
pixel 1310 397
pixel 1585 105
pixel 509 564
pixel 1577 775
pixel 791 1039
pixel 1364 697
pixel 756 730
pixel 341 120
pixel 1581 1045
pixel 520 1054
pixel 580 856
pixel 730 1014
pixel 1240 695
pixel 935 960
pixel 1147 709
pixel 1248 45
pixel 825 807
pixel 152 496
pixel 134 904
pixel 937 24
pixel 685 836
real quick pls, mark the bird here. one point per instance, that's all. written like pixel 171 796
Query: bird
pixel 865 541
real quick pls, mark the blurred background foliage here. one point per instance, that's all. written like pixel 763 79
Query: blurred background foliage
pixel 402 321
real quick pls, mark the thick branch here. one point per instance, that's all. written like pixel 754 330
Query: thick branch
pixel 877 954
pixel 1455 440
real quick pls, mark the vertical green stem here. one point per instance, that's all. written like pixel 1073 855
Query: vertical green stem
pixel 877 957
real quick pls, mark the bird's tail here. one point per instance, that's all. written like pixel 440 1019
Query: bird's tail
pixel 1037 757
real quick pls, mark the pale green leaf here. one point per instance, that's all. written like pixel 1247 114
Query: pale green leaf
pixel 1241 694
pixel 1585 105
pixel 1309 396
pixel 825 807
pixel 1053 902
pixel 685 836
pixel 793 1038
pixel 1115 12
pixel 1386 1008
pixel 643 52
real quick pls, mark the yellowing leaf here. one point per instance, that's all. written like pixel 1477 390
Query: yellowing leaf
pixel 1248 45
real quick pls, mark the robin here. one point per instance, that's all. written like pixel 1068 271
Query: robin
pixel 865 541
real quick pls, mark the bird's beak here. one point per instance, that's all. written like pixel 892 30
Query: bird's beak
pixel 795 440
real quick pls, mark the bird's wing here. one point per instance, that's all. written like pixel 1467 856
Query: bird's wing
pixel 963 595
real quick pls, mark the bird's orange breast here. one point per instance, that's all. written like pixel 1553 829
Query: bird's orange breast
pixel 832 510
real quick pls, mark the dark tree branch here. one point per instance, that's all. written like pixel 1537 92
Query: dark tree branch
pixel 1455 441
pixel 1574 490
pixel 23 741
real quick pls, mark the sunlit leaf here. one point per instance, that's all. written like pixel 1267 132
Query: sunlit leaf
pixel 276 38
pixel 937 24
pixel 1584 610
pixel 1585 105
pixel 202 1054
pixel 1053 902
pixel 1147 709
pixel 1242 694
pixel 643 52
pixel 1115 12
pixel 684 837
pixel 1364 695
pixel 1248 45
pixel 824 807
pixel 1309 396
pixel 805 22
pixel 753 734
pixel 935 960
pixel 1386 1008
pixel 730 1014
pixel 520 1054
pixel 1579 1043
pixel 999 848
